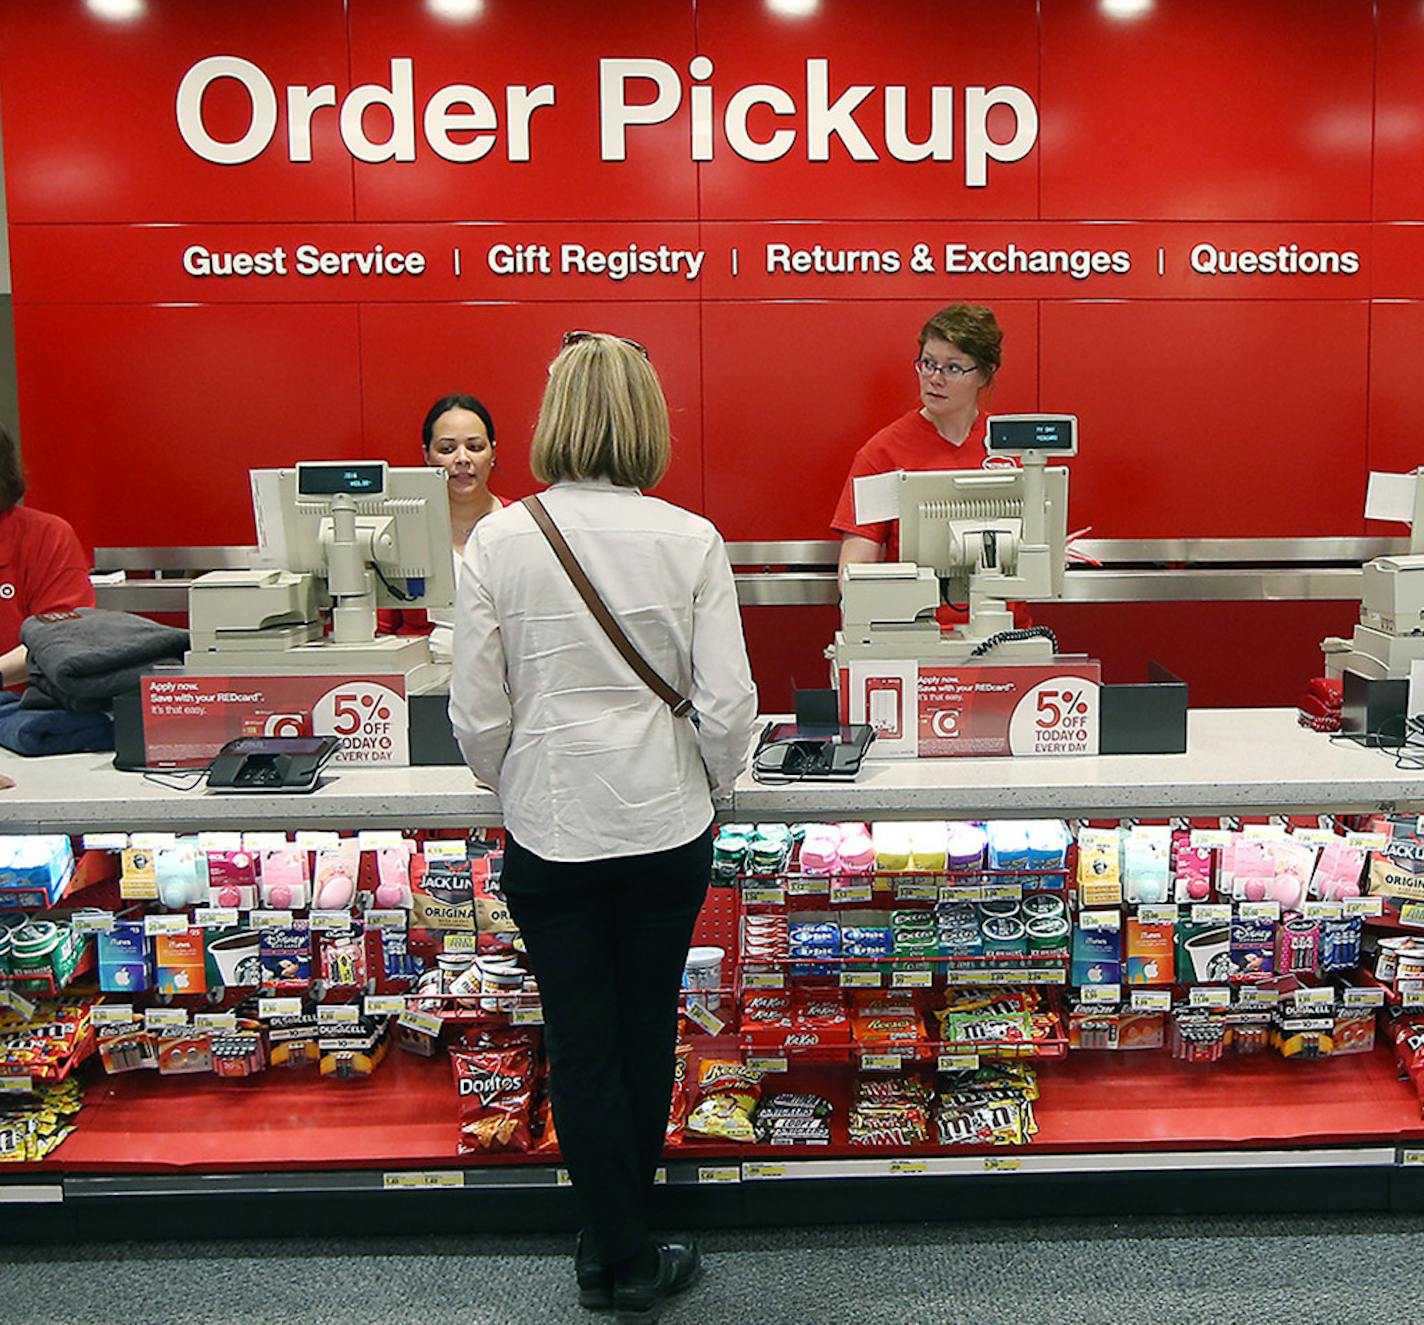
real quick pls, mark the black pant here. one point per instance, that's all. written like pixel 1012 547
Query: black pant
pixel 607 940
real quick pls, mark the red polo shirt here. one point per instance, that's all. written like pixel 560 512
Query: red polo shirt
pixel 910 443
pixel 42 569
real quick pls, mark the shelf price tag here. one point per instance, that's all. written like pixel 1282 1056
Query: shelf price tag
pixel 916 890
pixel 1253 996
pixel 957 1063
pixel 531 1014
pixel 961 892
pixel 92 922
pixel 912 979
pixel 217 841
pixel 1314 998
pixel 152 841
pixel 271 919
pixel 706 1018
pixel 427 1023
pixel 1321 910
pixel 383 1005
pixel 1367 841
pixel 263 841
pixel 106 841
pixel 843 894
pixel 808 885
pixel 374 839
pixel 337 1014
pixel 462 942
pixel 165 1017
pixel 279 1007
pixel 111 1014
pixel 215 917
pixel 1315 837
pixel 16 1085
pixel 385 919
pixel 164 924
pixel 415 1181
pixel 310 840
pixel 1002 892
pixel 881 1062
pixel 1002 1164
pixel 1211 913
pixel 325 920
pixel 1260 910
pixel 215 1021
pixel 775 1063
pixel 1412 914
pixel 754 1170
pixel 1263 832
pixel 1099 994
pixel 1362 906
pixel 1210 837
pixel 1210 996
pixel 1151 1000
pixel 908 1167
pixel 1363 996
pixel 1165 914
pixel 446 848
pixel 860 979
pixel 764 980
pixel 11 998
pixel 763 895
pixel 718 1173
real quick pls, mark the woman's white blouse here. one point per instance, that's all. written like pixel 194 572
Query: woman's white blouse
pixel 587 761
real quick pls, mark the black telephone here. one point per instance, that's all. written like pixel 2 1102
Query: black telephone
pixel 271 763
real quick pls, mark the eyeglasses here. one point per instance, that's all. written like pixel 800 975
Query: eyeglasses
pixel 928 367
pixel 574 337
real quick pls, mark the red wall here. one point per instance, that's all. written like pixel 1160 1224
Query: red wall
pixel 1226 405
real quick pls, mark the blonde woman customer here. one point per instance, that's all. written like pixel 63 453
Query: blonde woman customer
pixel 606 791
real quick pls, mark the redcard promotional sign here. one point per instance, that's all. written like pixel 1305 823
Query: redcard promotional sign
pixel 187 719
pixel 928 711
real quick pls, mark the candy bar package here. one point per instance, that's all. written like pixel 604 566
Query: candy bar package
pixel 496 1091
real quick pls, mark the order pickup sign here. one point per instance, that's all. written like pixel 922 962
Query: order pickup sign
pixel 929 710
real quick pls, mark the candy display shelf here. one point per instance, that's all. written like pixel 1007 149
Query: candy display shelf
pixel 1117 1131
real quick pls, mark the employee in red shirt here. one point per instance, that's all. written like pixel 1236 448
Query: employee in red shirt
pixel 42 566
pixel 957 360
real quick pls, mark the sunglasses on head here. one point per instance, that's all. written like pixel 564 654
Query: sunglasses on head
pixel 574 337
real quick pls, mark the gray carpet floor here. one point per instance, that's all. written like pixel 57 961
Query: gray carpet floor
pixel 1304 1270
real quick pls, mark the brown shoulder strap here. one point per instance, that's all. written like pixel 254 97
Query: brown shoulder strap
pixel 679 704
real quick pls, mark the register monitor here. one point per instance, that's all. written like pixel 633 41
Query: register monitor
pixel 352 536
pixel 986 537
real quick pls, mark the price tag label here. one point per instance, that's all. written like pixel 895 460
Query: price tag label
pixel 1158 915
pixel 1263 832
pixel 165 925
pixel 219 841
pixel 16 1085
pixel 763 895
pixel 1151 1000
pixel 310 840
pixel 718 1173
pixel 106 841
pixel 957 1063
pixel 1002 892
pixel 1314 998
pixel 1001 1164
pixel 1099 994
pixel 708 1020
pixel 215 917
pixel 1362 906
pixel 531 1014
pixel 427 1023
pixel 916 890
pixel 881 1062
pixel 1321 910
pixel 165 1017
pixel 92 922
pixel 1368 841
pixel 374 839
pixel 1315 837
pixel 1412 914
pixel 272 919
pixel 773 1063
pixel 1099 920
pixel 1363 996
pixel 279 1007
pixel 1254 996
pixel 807 886
pixel 755 1170
pixel 860 979
pixel 908 1167
pixel 462 942
pixel 562 1178
pixel 912 979
pixel 326 920
pixel 1260 911
pixel 152 841
pixel 383 1005
pixel 418 1181
pixel 961 892
pixel 1210 996
pixel 264 841
pixel 337 1014
pixel 1210 837
pixel 1211 913
pixel 11 999
pixel 385 919
pixel 446 848
pixel 215 1021
pixel 1412 999
pixel 1411 1158
pixel 843 894
pixel 111 1014
pixel 764 980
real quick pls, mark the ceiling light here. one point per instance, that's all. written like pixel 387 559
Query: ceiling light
pixel 117 11
pixel 456 11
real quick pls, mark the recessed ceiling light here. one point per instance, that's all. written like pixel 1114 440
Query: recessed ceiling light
pixel 118 11
pixel 1126 8
pixel 456 10
pixel 793 8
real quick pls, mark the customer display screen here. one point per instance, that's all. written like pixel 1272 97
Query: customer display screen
pixel 1056 434
pixel 329 480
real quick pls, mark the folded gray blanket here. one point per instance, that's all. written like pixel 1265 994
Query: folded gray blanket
pixel 80 660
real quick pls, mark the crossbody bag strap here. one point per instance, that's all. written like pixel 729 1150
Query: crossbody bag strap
pixel 679 704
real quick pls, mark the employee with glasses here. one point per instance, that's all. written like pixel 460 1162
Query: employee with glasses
pixel 956 364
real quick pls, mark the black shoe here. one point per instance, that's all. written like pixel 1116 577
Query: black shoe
pixel 595 1279
pixel 639 1301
